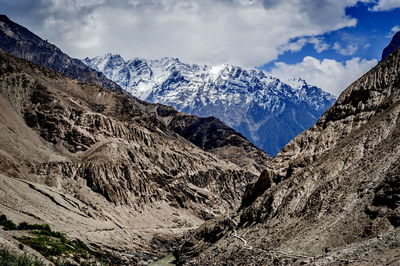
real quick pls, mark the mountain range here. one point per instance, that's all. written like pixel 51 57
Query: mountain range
pixel 265 110
pixel 91 175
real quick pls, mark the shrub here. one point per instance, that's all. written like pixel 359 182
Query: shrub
pixel 9 225
pixel 8 258
pixel 41 227
pixel 23 226
pixel 51 244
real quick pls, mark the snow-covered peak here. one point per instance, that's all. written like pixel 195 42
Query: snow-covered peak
pixel 167 79
pixel 216 70
pixel 99 63
pixel 296 83
pixel 246 99
pixel 144 77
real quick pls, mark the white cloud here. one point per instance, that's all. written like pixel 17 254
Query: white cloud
pixel 328 74
pixel 349 50
pixel 294 46
pixel 385 5
pixel 319 44
pixel 245 32
pixel 393 31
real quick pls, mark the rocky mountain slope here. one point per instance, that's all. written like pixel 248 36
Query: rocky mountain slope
pixel 93 164
pixel 332 196
pixel 266 111
pixel 20 42
pixel 227 143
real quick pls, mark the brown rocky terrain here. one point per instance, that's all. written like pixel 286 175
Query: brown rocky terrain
pixel 125 177
pixel 331 197
pixel 96 165
pixel 212 135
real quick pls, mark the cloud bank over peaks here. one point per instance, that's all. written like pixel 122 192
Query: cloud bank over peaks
pixel 243 32
pixel 328 74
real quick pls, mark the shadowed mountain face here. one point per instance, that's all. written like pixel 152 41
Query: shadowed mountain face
pixel 229 144
pixel 331 196
pixel 93 163
pixel 22 43
pixel 392 47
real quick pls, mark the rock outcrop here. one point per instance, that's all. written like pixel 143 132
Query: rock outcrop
pixel 331 196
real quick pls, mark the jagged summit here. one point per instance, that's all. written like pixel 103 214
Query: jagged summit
pixel 296 83
pixel 393 46
pixel 265 110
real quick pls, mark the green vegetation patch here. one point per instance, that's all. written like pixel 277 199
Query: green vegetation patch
pixel 50 246
pixel 10 225
pixel 54 246
pixel 57 248
pixel 8 258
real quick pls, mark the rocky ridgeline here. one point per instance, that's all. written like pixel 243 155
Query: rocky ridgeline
pixel 126 156
pixel 19 41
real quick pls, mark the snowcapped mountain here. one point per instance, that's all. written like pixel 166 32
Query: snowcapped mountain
pixel 265 110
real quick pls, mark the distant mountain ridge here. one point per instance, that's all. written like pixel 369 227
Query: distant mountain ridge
pixel 264 109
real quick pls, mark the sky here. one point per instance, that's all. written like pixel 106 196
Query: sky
pixel 329 43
